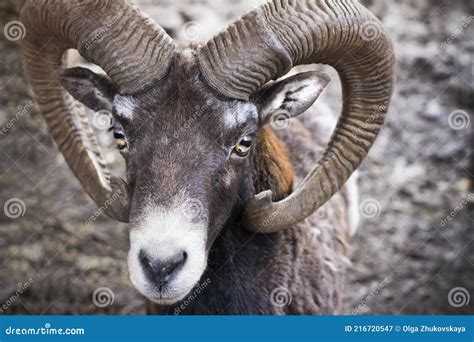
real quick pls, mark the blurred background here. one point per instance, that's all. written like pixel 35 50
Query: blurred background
pixel 413 252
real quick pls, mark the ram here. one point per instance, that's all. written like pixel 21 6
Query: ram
pixel 210 192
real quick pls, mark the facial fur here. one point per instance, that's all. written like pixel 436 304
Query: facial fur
pixel 193 160
pixel 182 199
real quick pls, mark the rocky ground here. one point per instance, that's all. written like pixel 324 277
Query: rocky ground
pixel 407 256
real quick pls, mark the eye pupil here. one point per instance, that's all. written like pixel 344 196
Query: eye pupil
pixel 119 135
pixel 242 149
pixel 246 143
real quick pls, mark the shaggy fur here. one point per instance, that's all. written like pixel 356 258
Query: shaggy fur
pixel 297 271
pixel 304 265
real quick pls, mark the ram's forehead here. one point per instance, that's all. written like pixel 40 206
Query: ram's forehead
pixel 239 114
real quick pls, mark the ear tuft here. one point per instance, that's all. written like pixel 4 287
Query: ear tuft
pixel 292 96
pixel 94 91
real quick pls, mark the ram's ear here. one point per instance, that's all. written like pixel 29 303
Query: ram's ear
pixel 94 91
pixel 291 96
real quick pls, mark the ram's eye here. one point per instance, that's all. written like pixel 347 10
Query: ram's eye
pixel 242 149
pixel 122 143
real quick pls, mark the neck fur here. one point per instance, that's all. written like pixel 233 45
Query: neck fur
pixel 238 256
pixel 272 164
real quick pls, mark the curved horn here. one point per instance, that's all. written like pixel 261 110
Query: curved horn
pixel 132 49
pixel 265 44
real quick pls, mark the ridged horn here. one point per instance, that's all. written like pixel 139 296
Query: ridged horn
pixel 132 49
pixel 265 44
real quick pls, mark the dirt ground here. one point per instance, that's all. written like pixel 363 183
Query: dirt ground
pixel 414 249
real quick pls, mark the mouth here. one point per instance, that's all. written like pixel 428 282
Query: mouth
pixel 165 270
pixel 161 296
pixel 167 255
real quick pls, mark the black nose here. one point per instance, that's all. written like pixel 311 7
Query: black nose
pixel 160 271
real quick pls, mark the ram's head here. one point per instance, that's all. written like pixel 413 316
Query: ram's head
pixel 189 120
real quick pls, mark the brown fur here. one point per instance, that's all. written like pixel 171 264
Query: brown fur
pixel 273 166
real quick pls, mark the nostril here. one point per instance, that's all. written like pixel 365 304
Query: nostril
pixel 147 265
pixel 143 258
pixel 176 262
pixel 160 271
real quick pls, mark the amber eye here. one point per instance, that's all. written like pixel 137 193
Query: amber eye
pixel 120 140
pixel 242 149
